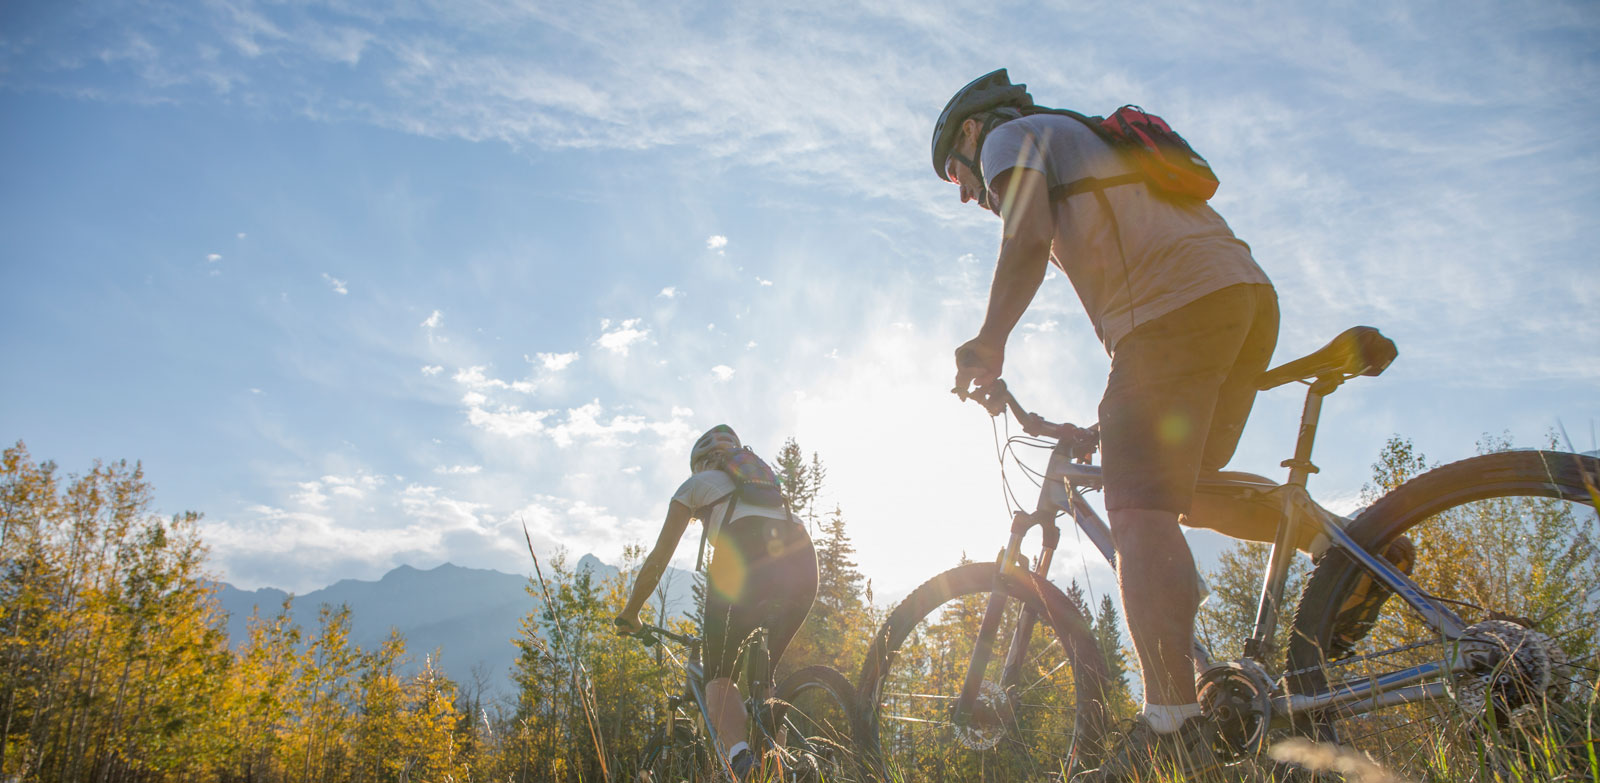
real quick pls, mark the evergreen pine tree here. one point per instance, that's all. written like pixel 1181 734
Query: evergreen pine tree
pixel 1108 636
pixel 1076 596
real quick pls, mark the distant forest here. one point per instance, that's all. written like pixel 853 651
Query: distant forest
pixel 115 666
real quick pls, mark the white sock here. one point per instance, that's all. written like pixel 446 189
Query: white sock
pixel 1166 718
pixel 734 751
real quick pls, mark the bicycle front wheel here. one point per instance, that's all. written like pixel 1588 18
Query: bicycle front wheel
pixel 1509 542
pixel 816 717
pixel 675 756
pixel 1046 723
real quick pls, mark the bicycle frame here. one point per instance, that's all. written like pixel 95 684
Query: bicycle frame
pixel 694 679
pixel 694 687
pixel 1068 476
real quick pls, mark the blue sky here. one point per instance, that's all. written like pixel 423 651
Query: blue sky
pixel 372 285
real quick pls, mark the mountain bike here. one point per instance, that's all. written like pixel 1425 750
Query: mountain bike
pixel 807 729
pixel 1024 697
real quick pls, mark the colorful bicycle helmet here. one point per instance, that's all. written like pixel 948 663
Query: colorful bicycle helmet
pixel 717 440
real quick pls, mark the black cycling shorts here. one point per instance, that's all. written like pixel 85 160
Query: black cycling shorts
pixel 763 574
pixel 1180 390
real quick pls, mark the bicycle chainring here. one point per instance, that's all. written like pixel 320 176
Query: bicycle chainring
pixel 1510 666
pixel 1237 698
pixel 985 729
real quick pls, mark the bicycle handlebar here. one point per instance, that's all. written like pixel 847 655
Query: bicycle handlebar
pixel 996 398
pixel 653 634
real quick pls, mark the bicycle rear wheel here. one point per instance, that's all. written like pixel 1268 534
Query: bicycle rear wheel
pixel 1511 543
pixel 817 715
pixel 1049 723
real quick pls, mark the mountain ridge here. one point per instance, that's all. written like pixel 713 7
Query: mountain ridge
pixel 469 615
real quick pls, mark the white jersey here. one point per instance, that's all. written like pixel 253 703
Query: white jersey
pixel 708 493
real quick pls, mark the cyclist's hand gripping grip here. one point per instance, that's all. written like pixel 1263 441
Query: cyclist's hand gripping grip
pixel 628 626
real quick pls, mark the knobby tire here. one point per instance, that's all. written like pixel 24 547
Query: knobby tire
pixel 1057 719
pixel 1513 487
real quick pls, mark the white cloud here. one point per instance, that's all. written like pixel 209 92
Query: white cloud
pixel 336 284
pixel 556 362
pixel 586 423
pixel 240 235
pixel 507 421
pixel 433 320
pixel 716 242
pixel 722 372
pixel 670 292
pixel 317 494
pixel 457 470
pixel 213 258
pixel 432 369
pixel 763 281
pixel 618 340
pixel 475 378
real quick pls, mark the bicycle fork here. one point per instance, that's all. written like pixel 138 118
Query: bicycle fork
pixel 994 613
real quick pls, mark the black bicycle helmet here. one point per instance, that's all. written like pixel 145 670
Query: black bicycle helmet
pixel 989 91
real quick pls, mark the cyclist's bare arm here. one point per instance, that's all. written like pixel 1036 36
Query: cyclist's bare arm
pixel 1024 257
pixel 655 564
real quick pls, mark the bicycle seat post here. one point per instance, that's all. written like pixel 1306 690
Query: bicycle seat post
pixel 1259 645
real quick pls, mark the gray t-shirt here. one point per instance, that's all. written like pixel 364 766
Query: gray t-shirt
pixel 1172 252
pixel 707 495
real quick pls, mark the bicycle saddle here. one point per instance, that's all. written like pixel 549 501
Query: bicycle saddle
pixel 1359 350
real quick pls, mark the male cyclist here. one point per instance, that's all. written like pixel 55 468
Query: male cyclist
pixel 1189 321
pixel 763 573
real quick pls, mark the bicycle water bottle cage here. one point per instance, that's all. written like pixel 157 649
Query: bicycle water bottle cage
pixel 1359 350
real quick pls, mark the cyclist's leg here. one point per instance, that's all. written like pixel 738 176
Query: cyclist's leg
pixel 787 581
pixel 727 623
pixel 784 577
pixel 1161 401
pixel 726 707
pixel 1156 421
pixel 1160 609
pixel 763 575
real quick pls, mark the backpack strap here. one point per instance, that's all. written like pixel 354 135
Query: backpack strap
pixel 1087 184
pixel 705 530
pixel 1093 184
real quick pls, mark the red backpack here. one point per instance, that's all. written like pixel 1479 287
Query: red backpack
pixel 1164 160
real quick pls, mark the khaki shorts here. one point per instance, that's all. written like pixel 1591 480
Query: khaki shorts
pixel 1180 390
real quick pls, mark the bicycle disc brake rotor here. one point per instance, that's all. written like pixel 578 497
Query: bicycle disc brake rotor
pixel 1237 697
pixel 984 729
pixel 1511 666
